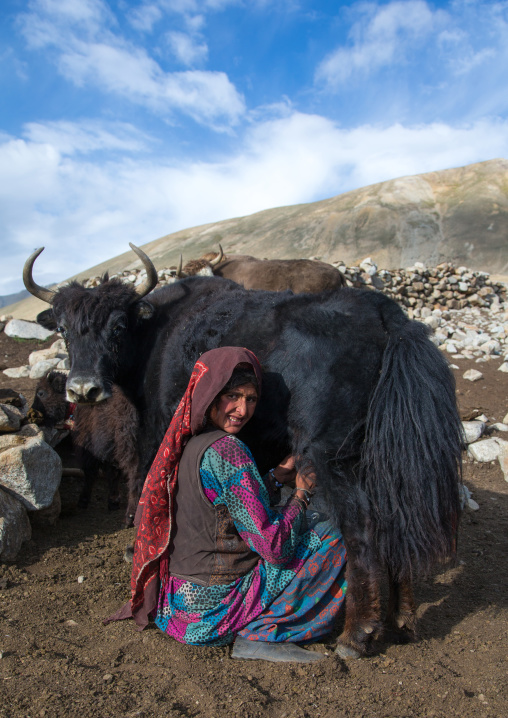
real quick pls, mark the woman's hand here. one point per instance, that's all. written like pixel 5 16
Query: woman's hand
pixel 306 479
pixel 285 472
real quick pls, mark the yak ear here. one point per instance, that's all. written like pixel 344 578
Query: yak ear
pixel 144 309
pixel 47 319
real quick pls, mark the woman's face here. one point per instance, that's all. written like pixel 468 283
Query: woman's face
pixel 235 408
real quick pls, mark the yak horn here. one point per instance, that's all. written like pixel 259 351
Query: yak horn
pixel 179 272
pixel 40 292
pixel 151 273
pixel 217 260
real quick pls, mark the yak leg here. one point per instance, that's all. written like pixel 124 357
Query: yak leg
pixel 114 478
pixel 363 599
pixel 401 612
pixel 91 468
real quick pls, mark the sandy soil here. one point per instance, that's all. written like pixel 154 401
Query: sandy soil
pixel 57 659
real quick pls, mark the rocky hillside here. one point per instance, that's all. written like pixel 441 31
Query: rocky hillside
pixel 456 215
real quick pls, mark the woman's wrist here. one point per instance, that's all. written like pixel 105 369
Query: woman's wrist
pixel 278 485
pixel 303 495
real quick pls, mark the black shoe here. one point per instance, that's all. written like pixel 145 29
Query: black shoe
pixel 274 652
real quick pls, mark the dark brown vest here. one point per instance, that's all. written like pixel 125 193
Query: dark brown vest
pixel 206 548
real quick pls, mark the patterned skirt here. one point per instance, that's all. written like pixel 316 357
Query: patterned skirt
pixel 270 603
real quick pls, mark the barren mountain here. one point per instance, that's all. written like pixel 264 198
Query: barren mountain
pixel 458 215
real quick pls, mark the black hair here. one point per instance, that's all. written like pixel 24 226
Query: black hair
pixel 242 374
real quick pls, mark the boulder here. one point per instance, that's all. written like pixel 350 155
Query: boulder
pixel 26 330
pixel 17 372
pixel 14 526
pixel 10 417
pixel 29 468
pixel 48 516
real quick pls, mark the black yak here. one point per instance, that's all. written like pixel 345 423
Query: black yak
pixel 352 387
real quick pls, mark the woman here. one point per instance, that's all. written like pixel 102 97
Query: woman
pixel 214 561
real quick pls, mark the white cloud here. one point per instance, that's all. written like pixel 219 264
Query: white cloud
pixel 98 58
pixel 85 210
pixel 379 39
pixel 69 138
pixel 187 49
pixel 145 17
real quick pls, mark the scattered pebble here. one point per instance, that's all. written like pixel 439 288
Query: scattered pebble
pixel 485 451
pixel 472 375
pixel 81 579
pixel 472 430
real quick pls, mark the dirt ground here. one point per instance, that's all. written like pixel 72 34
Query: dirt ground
pixel 57 659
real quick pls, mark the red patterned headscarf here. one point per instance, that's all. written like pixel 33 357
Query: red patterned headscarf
pixel 155 511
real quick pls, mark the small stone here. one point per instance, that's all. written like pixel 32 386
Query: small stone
pixel 472 430
pixel 70 622
pixel 503 367
pixel 498 426
pixel 81 579
pixel 503 458
pixel 472 375
pixel 484 451
pixel 42 367
pixel 18 372
pixel 432 321
pixel 107 678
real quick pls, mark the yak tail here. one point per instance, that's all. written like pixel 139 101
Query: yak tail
pixel 411 457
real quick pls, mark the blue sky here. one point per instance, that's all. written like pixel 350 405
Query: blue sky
pixel 123 121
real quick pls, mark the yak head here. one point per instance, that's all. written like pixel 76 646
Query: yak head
pixel 203 267
pixel 98 326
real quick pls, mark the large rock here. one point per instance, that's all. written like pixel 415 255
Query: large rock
pixel 10 417
pixel 26 330
pixel 29 468
pixel 49 516
pixel 14 526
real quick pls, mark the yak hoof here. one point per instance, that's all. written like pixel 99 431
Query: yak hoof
pixel 129 521
pixel 346 652
pixel 129 554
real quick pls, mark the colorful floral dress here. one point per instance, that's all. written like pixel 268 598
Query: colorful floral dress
pixel 295 590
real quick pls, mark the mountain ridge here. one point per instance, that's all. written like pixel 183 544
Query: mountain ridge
pixel 458 215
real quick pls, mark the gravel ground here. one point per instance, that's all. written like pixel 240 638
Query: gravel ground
pixel 58 660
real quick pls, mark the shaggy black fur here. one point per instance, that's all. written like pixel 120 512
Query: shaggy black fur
pixel 351 386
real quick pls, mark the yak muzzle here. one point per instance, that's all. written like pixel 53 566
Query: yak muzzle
pixel 81 390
